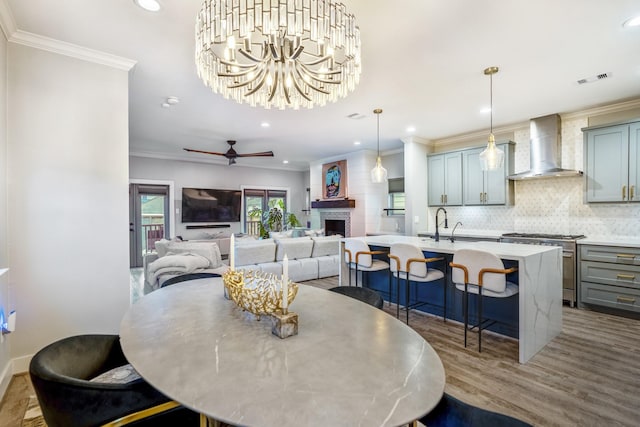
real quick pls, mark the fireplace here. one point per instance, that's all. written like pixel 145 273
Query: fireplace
pixel 334 226
pixel 336 222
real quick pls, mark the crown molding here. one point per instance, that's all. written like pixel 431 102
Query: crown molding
pixel 604 109
pixel 481 134
pixel 7 23
pixel 68 49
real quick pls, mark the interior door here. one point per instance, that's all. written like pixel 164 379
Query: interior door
pixel 148 219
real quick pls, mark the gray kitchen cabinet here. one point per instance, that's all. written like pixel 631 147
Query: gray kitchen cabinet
pixel 445 179
pixel 610 277
pixel 487 187
pixel 612 162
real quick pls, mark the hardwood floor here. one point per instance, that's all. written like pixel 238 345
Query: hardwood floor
pixel 587 376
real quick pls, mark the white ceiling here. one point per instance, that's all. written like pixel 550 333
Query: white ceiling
pixel 423 63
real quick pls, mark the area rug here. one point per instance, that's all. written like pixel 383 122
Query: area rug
pixel 33 415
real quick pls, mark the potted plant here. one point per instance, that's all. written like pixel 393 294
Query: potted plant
pixel 275 219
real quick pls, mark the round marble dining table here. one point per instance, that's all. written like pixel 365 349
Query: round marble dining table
pixel 350 364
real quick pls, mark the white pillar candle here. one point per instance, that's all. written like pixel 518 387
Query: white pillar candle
pixel 285 283
pixel 232 250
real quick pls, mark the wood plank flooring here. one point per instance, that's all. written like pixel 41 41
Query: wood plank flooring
pixel 587 376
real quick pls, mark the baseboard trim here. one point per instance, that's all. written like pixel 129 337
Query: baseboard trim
pixel 18 365
pixel 21 364
pixel 5 379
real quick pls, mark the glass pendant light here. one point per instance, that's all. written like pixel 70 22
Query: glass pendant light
pixel 378 173
pixel 491 158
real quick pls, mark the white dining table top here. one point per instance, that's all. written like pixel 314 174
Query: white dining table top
pixel 350 364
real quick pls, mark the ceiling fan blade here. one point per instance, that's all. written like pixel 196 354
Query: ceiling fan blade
pixel 262 154
pixel 203 152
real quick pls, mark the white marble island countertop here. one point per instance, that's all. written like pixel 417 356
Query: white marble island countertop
pixel 512 251
pixel 539 282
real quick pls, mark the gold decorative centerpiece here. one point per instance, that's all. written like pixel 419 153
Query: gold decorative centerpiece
pixel 257 292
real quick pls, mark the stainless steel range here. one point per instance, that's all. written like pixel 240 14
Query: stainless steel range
pixel 569 259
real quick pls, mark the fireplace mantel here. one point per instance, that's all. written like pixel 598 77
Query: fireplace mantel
pixel 333 204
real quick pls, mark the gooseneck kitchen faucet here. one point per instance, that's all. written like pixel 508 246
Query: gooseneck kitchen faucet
pixel 454 230
pixel 446 225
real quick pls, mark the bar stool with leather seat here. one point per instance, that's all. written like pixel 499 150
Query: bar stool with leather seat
pixel 407 262
pixel 481 273
pixel 359 256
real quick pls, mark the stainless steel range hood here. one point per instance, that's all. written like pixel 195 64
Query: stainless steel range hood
pixel 546 150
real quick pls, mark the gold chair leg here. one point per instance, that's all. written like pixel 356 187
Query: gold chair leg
pixel 145 413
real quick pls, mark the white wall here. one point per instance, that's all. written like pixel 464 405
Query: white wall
pixel 68 197
pixel 5 307
pixel 207 175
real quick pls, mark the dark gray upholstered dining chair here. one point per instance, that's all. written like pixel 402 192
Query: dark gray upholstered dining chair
pixel 451 412
pixel 365 295
pixel 61 374
pixel 186 277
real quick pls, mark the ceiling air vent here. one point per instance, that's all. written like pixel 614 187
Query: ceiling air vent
pixel 595 78
pixel 356 116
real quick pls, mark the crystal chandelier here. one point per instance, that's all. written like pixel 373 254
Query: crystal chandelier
pixel 378 173
pixel 278 53
pixel 492 157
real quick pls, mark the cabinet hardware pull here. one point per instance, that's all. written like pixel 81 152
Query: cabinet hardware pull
pixel 631 256
pixel 446 199
pixel 631 195
pixel 485 197
pixel 624 192
pixel 625 277
pixel 626 300
pixel 442 198
pixel 481 198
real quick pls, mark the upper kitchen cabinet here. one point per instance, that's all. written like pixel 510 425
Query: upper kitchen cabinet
pixel 612 160
pixel 487 187
pixel 445 179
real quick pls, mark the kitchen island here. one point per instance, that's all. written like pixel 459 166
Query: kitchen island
pixel 539 279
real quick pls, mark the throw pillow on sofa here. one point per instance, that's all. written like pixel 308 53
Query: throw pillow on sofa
pixel 315 233
pixel 281 234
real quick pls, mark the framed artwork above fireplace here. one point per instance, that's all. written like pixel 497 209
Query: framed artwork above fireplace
pixel 334 180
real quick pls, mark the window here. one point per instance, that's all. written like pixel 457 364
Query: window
pixel 255 201
pixel 396 201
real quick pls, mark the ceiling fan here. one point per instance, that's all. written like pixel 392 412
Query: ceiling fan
pixel 231 154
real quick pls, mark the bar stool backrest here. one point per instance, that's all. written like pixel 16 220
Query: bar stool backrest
pixel 475 261
pixel 355 246
pixel 406 251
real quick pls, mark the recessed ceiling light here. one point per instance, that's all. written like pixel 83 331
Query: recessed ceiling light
pixel 173 100
pixel 356 142
pixel 285 161
pixel 411 129
pixel 632 22
pixel 165 105
pixel 485 110
pixel 150 5
pixel 265 124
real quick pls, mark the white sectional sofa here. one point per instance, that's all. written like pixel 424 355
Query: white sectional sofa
pixel 308 257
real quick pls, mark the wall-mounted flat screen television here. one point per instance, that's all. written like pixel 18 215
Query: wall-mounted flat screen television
pixel 207 205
